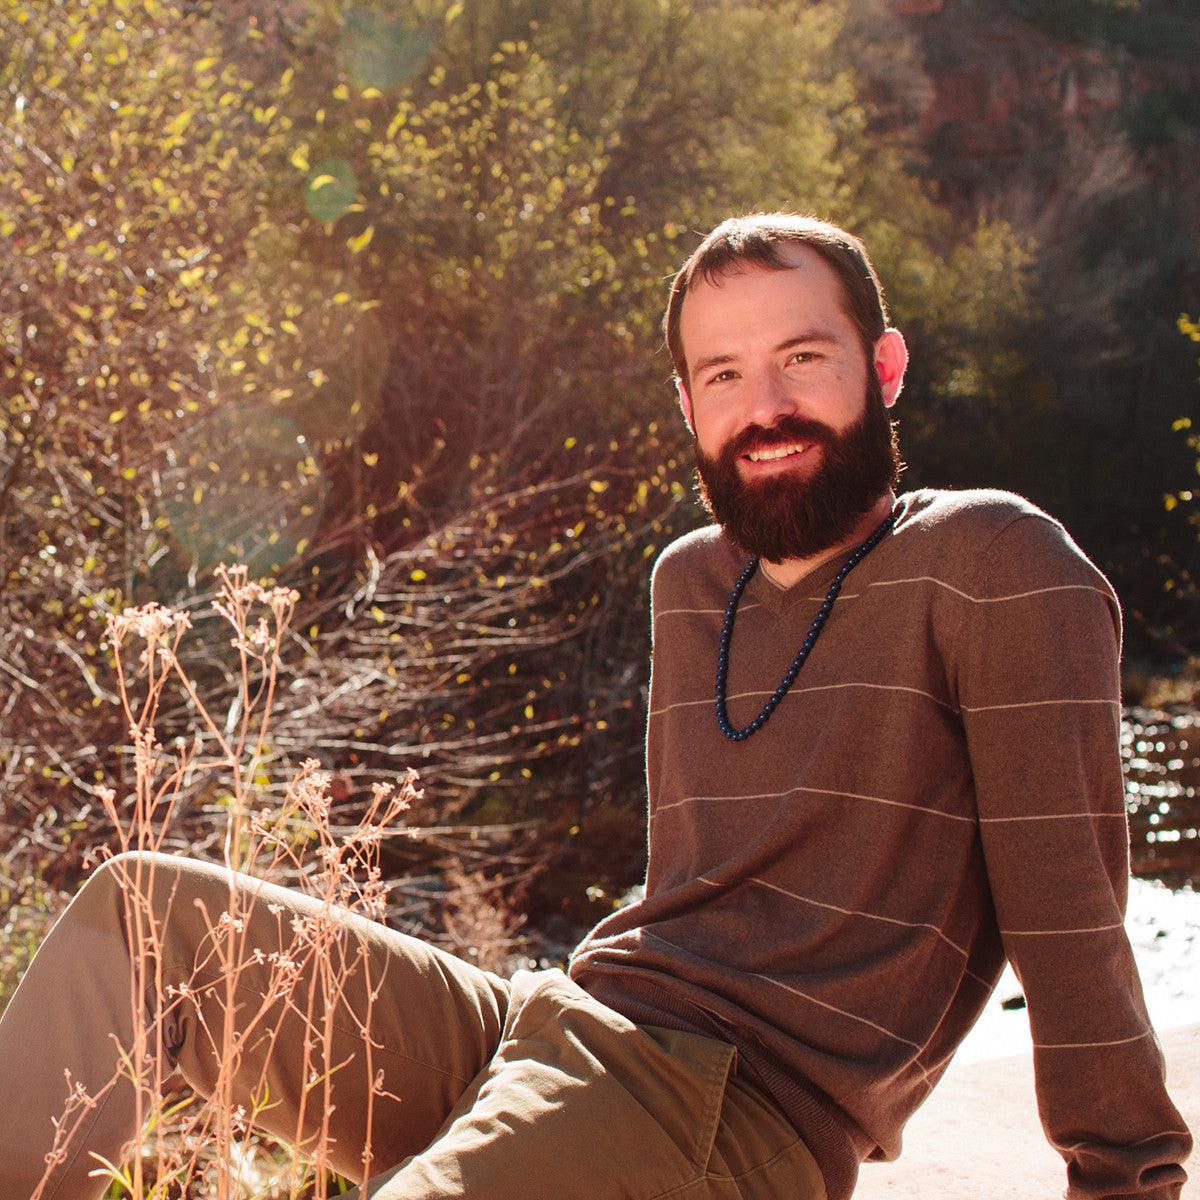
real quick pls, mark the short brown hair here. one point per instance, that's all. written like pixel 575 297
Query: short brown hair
pixel 755 239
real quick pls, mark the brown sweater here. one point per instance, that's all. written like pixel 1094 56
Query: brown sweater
pixel 940 789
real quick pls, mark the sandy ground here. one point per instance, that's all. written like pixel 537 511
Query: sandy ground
pixel 1164 930
pixel 978 1136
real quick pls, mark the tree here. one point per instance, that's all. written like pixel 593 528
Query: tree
pixel 380 291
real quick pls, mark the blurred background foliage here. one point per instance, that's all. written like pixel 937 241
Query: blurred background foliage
pixel 366 295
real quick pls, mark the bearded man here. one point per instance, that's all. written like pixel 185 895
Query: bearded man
pixel 882 755
pixel 914 767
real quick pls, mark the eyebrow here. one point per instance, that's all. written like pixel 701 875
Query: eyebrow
pixel 807 338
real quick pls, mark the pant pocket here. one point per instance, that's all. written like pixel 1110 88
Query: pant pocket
pixel 710 1062
pixel 579 1101
pixel 677 1079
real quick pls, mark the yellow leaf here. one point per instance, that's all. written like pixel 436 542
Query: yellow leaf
pixel 180 123
pixel 290 327
pixel 417 575
pixel 115 418
pixel 370 459
pixel 570 443
pixel 598 485
pixel 341 92
pixel 129 473
pixel 341 297
pixel 362 241
pixel 299 160
pixel 529 712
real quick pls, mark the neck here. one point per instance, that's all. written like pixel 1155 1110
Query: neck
pixel 789 570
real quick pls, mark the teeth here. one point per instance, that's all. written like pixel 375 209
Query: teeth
pixel 778 452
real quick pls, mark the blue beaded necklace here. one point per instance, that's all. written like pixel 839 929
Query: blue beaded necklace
pixel 819 620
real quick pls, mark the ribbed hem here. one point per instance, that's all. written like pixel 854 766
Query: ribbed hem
pixel 827 1138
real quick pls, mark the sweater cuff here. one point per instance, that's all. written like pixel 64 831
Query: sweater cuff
pixel 1163 1191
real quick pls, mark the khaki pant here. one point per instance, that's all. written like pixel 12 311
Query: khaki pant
pixel 523 1089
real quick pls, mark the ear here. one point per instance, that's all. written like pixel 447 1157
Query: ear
pixel 891 359
pixel 685 403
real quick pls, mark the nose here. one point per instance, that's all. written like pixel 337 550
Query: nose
pixel 768 398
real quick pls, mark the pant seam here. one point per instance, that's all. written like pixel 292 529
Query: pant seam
pixel 758 1166
pixel 400 1054
pixel 712 1177
pixel 717 1082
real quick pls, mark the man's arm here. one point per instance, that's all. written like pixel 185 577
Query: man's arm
pixel 1039 687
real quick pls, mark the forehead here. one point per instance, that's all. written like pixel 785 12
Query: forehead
pixel 748 304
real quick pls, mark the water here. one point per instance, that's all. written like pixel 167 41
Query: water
pixel 1161 752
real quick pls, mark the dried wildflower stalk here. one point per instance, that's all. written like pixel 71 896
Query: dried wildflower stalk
pixel 210 1146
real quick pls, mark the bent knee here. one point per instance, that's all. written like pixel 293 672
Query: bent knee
pixel 151 875
pixel 131 869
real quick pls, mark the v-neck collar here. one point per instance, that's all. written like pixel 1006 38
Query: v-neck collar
pixel 814 583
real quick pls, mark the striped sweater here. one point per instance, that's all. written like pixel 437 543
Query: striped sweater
pixel 940 789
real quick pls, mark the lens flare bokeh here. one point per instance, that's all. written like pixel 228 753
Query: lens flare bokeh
pixel 245 489
pixel 376 52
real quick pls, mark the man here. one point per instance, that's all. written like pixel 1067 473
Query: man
pixel 906 769
pixel 841 860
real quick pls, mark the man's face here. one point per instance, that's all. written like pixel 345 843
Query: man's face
pixel 776 367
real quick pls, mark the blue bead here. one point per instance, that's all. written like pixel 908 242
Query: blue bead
pixel 801 655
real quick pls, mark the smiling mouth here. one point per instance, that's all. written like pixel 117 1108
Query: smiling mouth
pixel 777 453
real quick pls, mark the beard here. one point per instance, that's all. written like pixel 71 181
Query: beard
pixel 800 514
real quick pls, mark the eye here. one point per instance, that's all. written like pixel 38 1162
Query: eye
pixel 803 356
pixel 721 376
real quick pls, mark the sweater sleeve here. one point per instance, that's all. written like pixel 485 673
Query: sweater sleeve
pixel 1039 690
